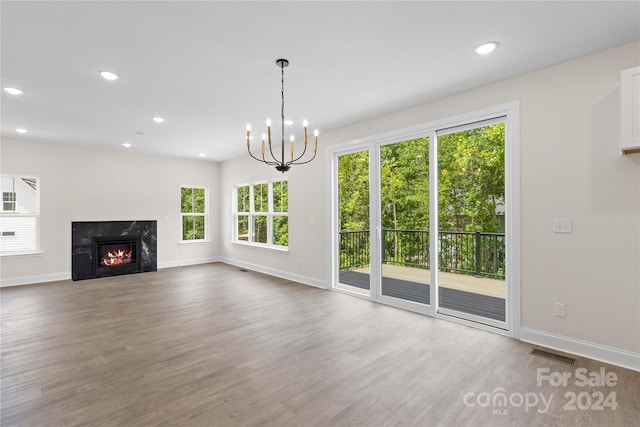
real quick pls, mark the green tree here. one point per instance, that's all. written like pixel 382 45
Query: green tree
pixel 471 179
pixel 404 185
pixel 353 191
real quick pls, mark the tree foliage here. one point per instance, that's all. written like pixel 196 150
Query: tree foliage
pixel 471 179
pixel 470 183
pixel 353 191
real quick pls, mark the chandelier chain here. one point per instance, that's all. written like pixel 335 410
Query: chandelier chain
pixel 282 90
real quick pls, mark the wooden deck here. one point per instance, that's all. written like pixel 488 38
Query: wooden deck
pixel 461 282
pixel 467 294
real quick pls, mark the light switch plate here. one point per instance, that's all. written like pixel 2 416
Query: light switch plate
pixel 559 310
pixel 562 226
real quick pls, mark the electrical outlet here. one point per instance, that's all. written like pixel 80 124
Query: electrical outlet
pixel 562 226
pixel 559 310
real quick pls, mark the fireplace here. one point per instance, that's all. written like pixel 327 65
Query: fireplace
pixel 111 248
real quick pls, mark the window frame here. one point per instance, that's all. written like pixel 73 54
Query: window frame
pixel 7 234
pixel 204 214
pixel 251 214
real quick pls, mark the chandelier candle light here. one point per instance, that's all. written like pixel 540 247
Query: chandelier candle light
pixel 281 164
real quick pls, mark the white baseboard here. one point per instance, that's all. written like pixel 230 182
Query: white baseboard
pixel 277 273
pixel 54 277
pixel 185 262
pixel 613 356
pixel 30 280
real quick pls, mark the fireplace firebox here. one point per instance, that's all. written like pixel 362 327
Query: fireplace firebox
pixel 111 248
pixel 115 255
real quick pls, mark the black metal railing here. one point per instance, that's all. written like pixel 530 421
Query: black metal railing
pixel 354 249
pixel 473 253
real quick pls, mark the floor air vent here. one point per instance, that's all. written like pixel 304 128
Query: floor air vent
pixel 553 356
pixel 242 270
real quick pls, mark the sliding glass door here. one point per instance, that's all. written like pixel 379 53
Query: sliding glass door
pixel 421 220
pixel 471 222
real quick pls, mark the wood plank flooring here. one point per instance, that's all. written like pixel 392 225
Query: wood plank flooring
pixel 210 345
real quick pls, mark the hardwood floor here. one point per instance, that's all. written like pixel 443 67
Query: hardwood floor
pixel 210 345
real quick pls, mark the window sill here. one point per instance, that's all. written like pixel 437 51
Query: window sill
pixel 193 242
pixel 261 246
pixel 20 254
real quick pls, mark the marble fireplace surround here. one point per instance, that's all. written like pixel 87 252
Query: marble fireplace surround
pixel 83 234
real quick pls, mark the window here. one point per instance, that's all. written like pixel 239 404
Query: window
pixel 8 201
pixel 19 217
pixel 193 202
pixel 261 213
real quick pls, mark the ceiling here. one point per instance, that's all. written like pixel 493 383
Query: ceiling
pixel 209 67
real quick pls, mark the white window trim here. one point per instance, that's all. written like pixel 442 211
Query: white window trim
pixel 207 238
pixel 270 214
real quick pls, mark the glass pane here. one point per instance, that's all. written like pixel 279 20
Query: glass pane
pixel 186 200
pixel 471 214
pixel 243 227
pixel 404 209
pixel 260 229
pixel 281 230
pixel 21 233
pixel 198 200
pixel 243 199
pixel 353 219
pixel 280 196
pixel 193 228
pixel 198 228
pixel 261 197
pixel 19 195
pixel 187 228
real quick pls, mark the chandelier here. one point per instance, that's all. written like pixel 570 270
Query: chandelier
pixel 282 164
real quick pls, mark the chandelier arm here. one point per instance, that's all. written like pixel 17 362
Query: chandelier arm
pixel 302 163
pixel 275 160
pixel 293 161
pixel 251 154
pixel 263 160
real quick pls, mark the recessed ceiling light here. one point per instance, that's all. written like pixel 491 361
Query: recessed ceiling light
pixel 158 119
pixel 288 122
pixel 21 130
pixel 202 155
pixel 108 75
pixel 13 91
pixel 126 144
pixel 486 48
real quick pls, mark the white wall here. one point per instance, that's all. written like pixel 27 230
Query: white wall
pixel 83 184
pixel 571 167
